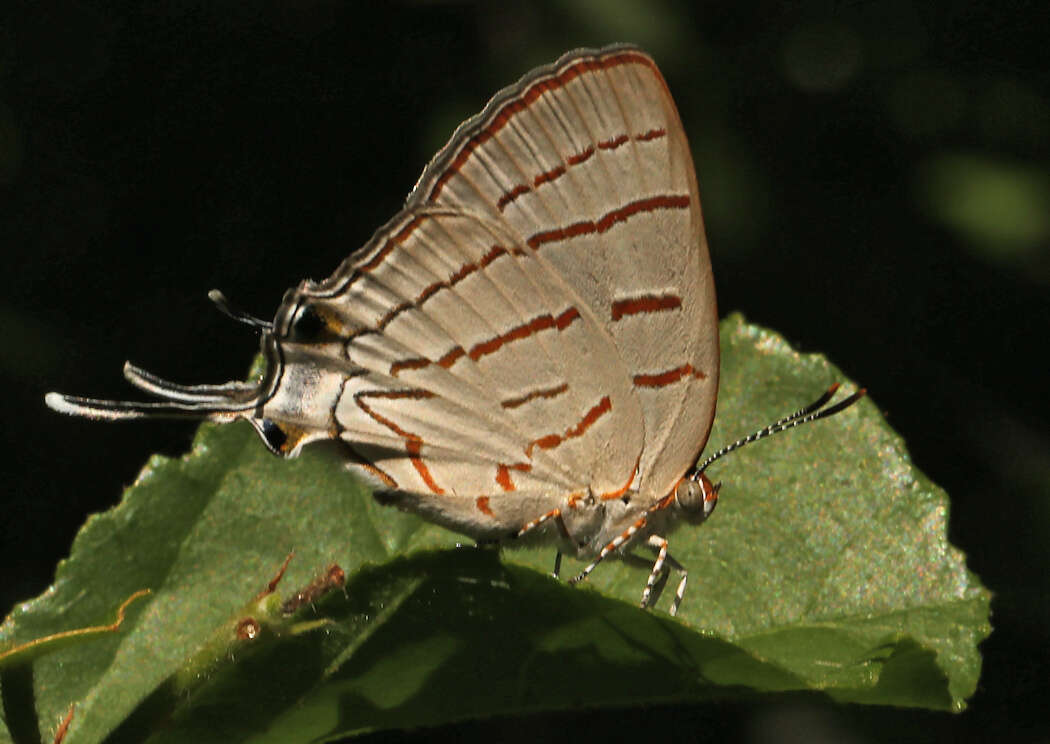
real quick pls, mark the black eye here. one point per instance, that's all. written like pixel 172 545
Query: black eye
pixel 273 435
pixel 307 324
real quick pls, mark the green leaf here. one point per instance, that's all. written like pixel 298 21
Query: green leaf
pixel 826 567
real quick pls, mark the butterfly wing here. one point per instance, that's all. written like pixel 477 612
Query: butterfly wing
pixel 539 318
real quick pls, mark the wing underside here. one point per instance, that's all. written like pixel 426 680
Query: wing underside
pixel 539 318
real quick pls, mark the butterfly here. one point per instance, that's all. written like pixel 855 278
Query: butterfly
pixel 528 350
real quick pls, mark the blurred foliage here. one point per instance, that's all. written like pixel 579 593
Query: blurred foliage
pixel 1001 210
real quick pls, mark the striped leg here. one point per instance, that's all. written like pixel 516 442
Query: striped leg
pixel 554 514
pixel 611 547
pixel 662 556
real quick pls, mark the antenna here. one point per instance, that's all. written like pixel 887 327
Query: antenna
pixel 812 412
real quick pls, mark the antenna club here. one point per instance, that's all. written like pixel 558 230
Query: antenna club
pixel 834 388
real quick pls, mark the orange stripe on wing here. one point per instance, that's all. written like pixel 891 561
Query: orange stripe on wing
pixel 535 395
pixel 449 358
pixel 602 408
pixel 625 487
pixel 383 420
pixel 492 345
pixel 413 442
pixel 548 176
pixel 622 214
pixel 651 135
pixel 580 157
pixel 503 474
pixel 613 142
pixel 413 447
pixel 651 204
pixel 550 441
pixel 668 377
pixel 363 462
pixel 400 366
pixel 511 195
pixel 376 472
pixel 537 324
pixel 483 506
pixel 645 304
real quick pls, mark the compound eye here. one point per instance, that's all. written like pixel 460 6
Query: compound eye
pixel 689 495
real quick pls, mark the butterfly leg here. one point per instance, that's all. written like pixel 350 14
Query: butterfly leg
pixel 573 502
pixel 554 514
pixel 614 545
pixel 662 556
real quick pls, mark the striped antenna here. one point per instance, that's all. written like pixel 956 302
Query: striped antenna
pixel 805 415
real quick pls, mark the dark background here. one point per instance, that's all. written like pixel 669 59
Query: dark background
pixel 876 186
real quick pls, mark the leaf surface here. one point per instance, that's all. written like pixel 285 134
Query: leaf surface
pixel 826 567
